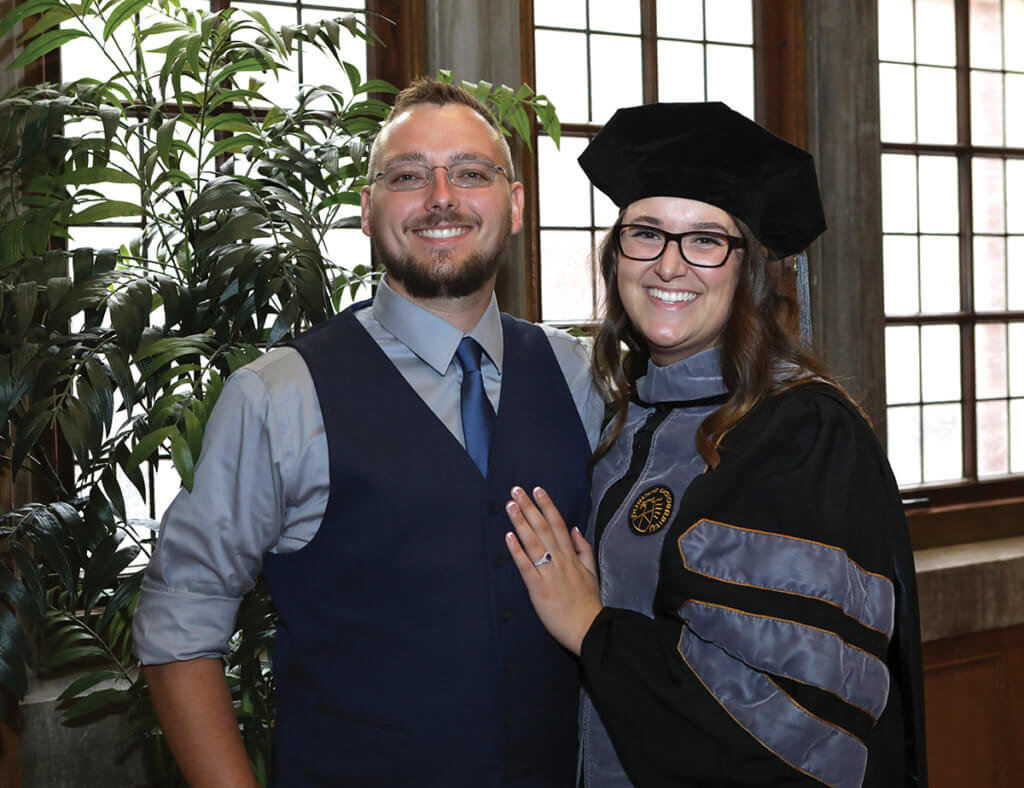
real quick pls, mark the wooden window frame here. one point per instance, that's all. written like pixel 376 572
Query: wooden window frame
pixel 772 57
pixel 970 509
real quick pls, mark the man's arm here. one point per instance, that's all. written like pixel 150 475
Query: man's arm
pixel 194 707
pixel 573 356
pixel 260 484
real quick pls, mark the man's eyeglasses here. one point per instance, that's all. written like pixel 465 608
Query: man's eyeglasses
pixel 408 176
pixel 701 248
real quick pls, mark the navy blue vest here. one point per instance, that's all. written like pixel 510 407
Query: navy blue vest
pixel 407 651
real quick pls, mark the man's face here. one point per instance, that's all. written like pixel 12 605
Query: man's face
pixel 441 240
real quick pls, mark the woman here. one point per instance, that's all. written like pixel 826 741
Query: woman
pixel 756 622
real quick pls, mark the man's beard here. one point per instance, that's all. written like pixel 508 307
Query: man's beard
pixel 440 278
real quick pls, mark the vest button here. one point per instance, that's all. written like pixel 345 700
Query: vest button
pixel 508 667
pixel 507 614
pixel 495 507
pixel 501 558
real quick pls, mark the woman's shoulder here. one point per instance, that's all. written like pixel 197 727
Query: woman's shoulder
pixel 806 408
pixel 811 422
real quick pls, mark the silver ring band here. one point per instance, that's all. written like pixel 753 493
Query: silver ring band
pixel 544 559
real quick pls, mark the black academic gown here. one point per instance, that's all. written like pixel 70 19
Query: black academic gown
pixel 785 647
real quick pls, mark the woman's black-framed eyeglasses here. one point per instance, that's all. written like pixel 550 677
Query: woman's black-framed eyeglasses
pixel 701 248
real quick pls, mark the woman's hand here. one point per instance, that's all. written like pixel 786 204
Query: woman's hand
pixel 558 568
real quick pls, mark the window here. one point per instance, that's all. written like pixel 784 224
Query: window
pixel 952 127
pixel 591 57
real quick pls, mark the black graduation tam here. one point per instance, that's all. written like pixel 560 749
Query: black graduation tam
pixel 708 152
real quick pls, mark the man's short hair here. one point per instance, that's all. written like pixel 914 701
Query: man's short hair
pixel 424 90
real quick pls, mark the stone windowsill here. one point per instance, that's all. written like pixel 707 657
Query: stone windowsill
pixel 970 587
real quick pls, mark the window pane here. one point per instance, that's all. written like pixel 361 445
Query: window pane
pixel 1015 273
pixel 617 80
pixel 989 273
pixel 680 71
pixel 566 285
pixel 940 273
pixel 605 211
pixel 896 85
pixel 943 458
pixel 938 184
pixel 1015 332
pixel 993 438
pixel 1015 195
pixel 348 248
pixel 90 128
pixel 280 88
pixel 1015 110
pixel 681 18
pixel 564 189
pixel 940 363
pixel 902 365
pixel 896 30
pixel 319 68
pixel 153 61
pixel 986 108
pixel 936 105
pixel 98 236
pixel 1013 30
pixel 936 32
pixel 987 177
pixel 903 427
pixel 1017 436
pixel 564 13
pixel 617 16
pixel 731 77
pixel 986 34
pixel 730 20
pixel 899 264
pixel 82 57
pixel 990 361
pixel 899 193
pixel 562 72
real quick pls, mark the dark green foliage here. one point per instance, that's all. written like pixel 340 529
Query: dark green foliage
pixel 227 204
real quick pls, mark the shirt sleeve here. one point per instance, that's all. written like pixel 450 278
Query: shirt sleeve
pixel 767 662
pixel 573 356
pixel 251 484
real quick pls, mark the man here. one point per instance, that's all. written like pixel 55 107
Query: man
pixel 363 470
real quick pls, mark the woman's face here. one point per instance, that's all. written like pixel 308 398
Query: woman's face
pixel 680 309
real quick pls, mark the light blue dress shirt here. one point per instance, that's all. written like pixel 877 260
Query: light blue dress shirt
pixel 262 480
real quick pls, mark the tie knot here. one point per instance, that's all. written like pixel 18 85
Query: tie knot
pixel 468 353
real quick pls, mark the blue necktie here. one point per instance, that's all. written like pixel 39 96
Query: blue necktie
pixel 477 413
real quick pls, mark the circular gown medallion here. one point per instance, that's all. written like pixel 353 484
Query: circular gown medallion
pixel 651 510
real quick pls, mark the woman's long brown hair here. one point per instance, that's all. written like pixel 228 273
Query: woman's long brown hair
pixel 761 351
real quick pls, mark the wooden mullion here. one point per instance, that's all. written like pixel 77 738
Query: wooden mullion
pixel 580 129
pixel 401 54
pixel 957 149
pixel 649 49
pixel 780 68
pixel 529 175
pixel 968 409
pixel 960 318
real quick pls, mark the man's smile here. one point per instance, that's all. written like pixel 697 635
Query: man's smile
pixel 443 233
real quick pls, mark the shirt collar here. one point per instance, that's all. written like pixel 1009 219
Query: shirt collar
pixel 433 339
